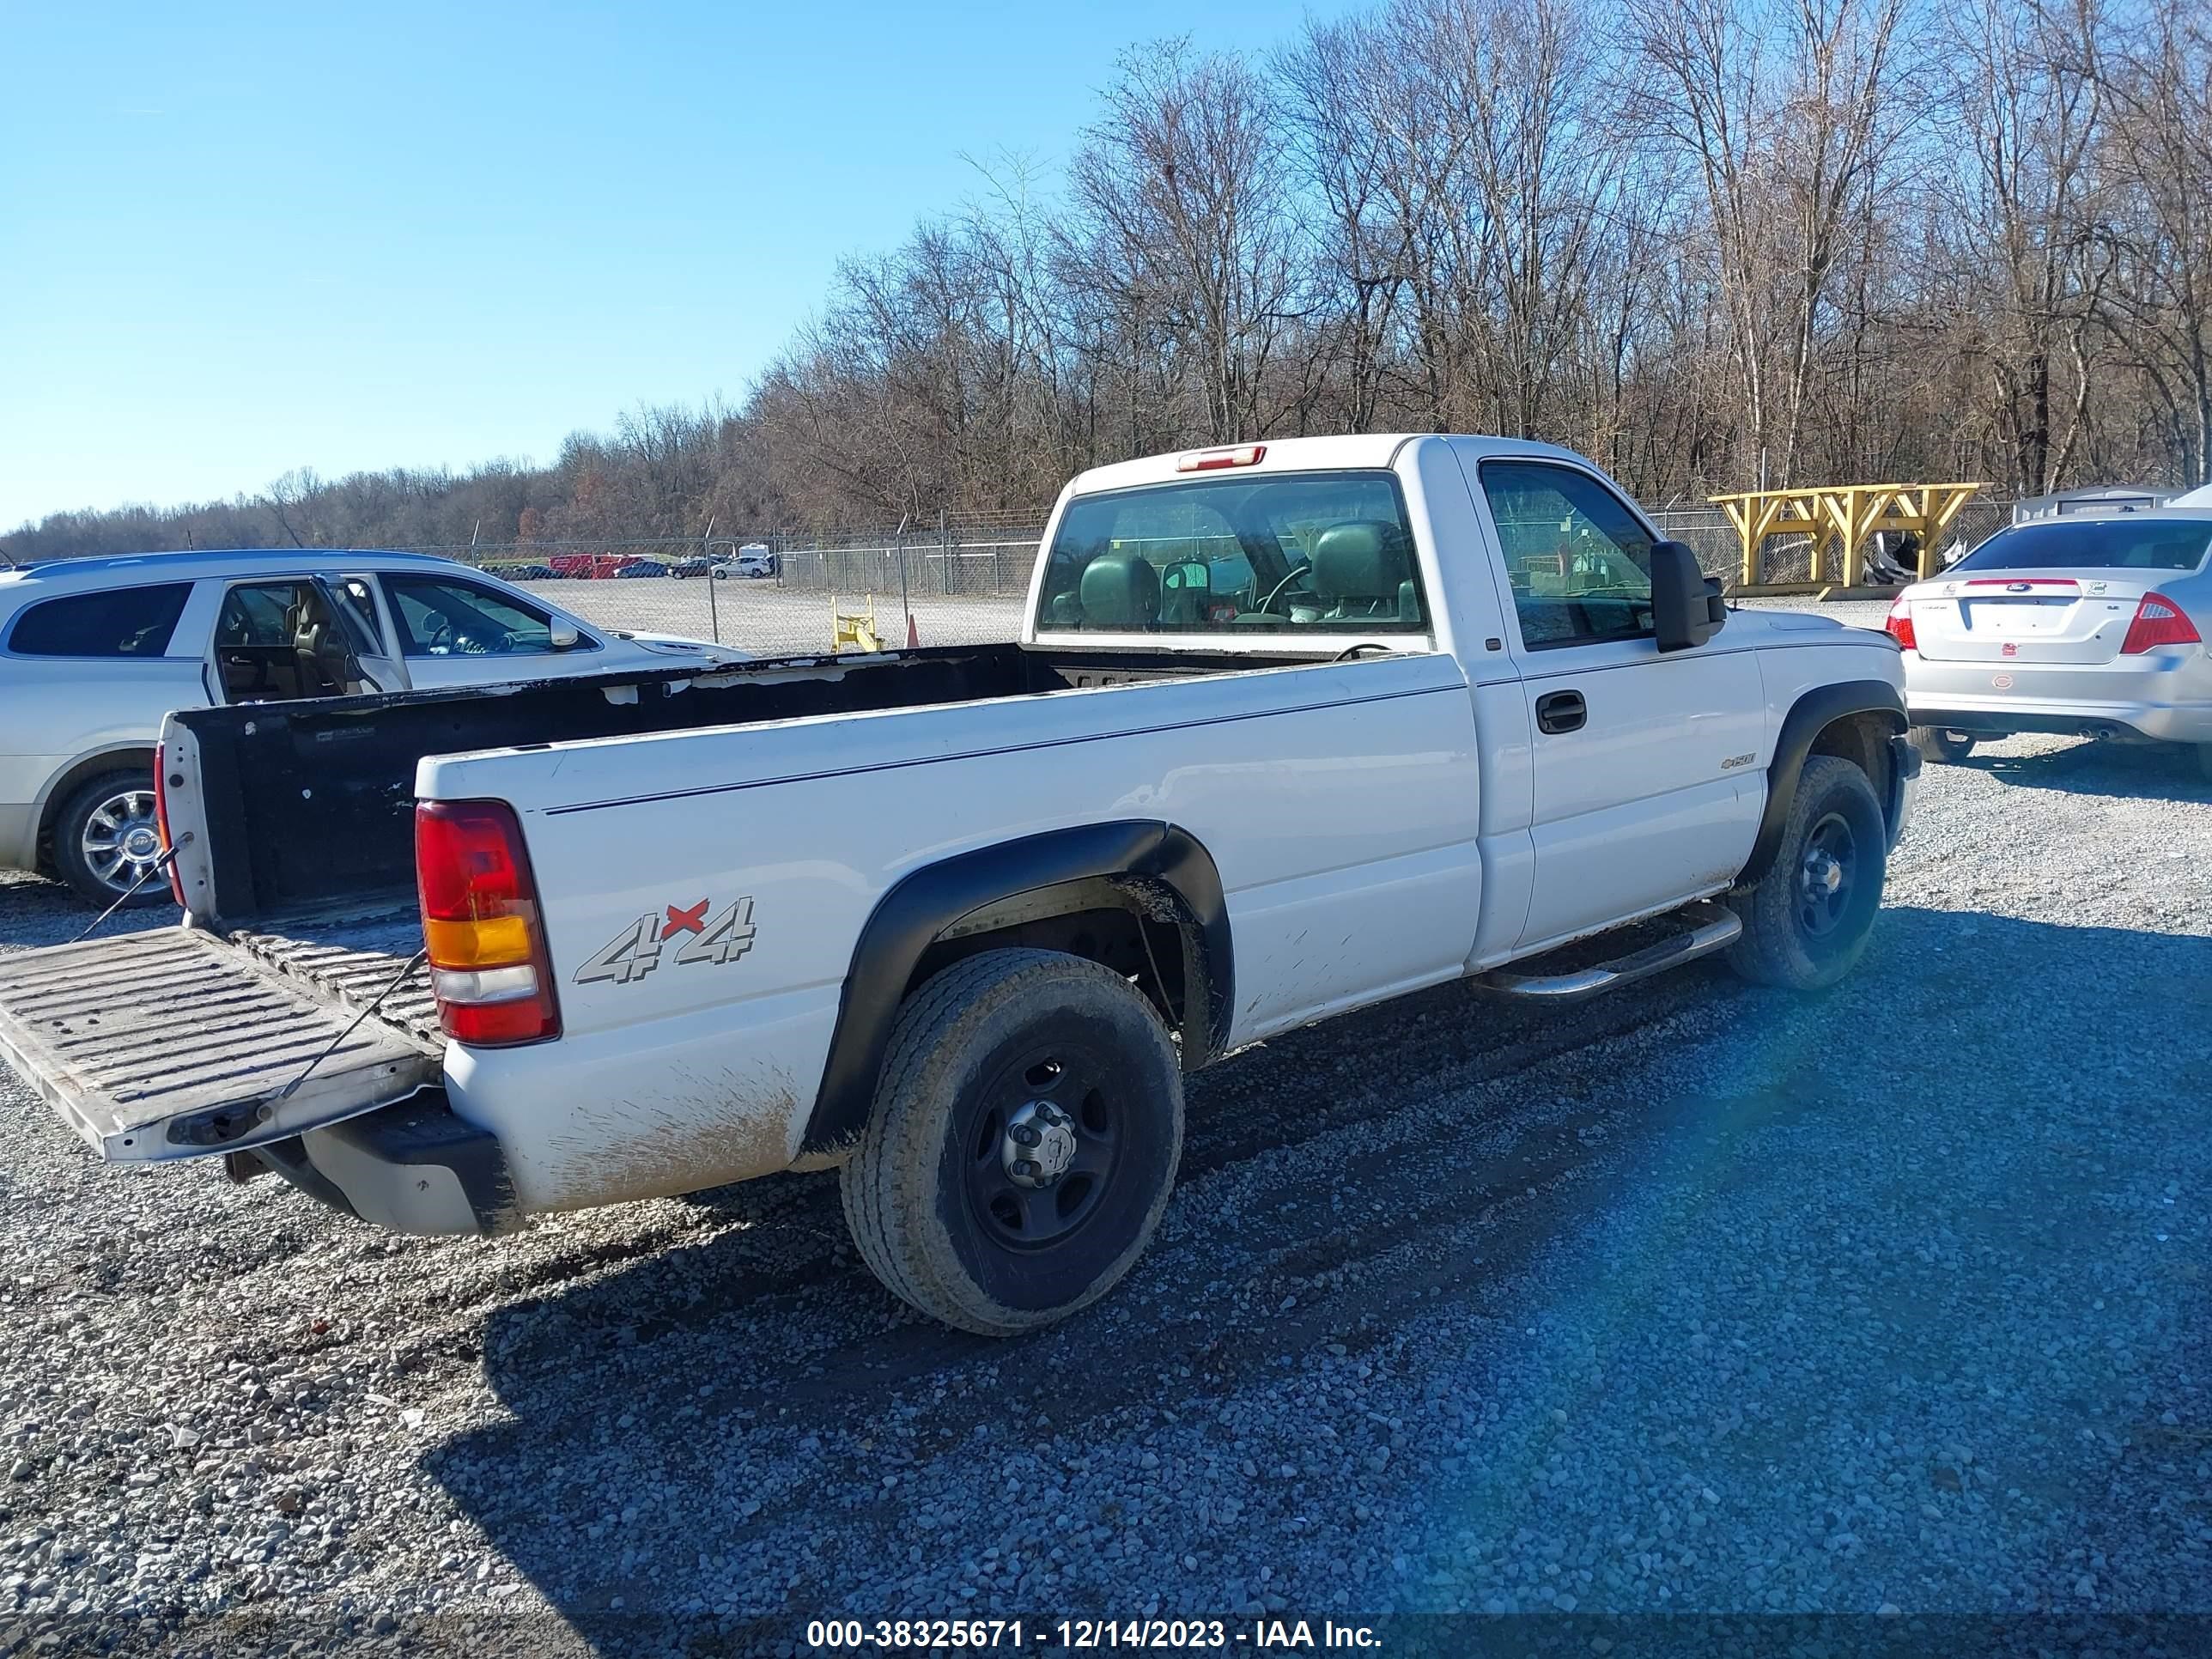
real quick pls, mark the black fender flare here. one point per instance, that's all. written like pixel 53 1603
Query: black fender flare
pixel 1814 712
pixel 918 909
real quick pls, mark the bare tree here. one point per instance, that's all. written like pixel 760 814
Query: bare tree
pixel 1710 241
pixel 2162 228
pixel 1187 211
pixel 1781 110
pixel 2021 213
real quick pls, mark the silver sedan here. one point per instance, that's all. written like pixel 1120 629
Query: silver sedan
pixel 2088 626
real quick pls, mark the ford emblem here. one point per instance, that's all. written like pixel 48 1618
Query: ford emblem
pixel 2017 587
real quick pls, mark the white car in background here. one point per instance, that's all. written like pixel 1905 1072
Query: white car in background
pixel 755 560
pixel 2091 626
pixel 94 651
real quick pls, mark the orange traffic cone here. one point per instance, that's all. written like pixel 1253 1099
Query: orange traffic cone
pixel 913 638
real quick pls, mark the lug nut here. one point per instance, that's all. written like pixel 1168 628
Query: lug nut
pixel 1028 1168
pixel 1025 1134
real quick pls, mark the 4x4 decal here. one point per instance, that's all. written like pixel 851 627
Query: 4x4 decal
pixel 636 951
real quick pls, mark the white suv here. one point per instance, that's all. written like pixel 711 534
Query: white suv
pixel 94 651
pixel 754 559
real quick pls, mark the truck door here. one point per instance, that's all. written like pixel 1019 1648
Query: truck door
pixel 1647 785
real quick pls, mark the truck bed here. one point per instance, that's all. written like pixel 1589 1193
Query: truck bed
pixel 350 960
pixel 309 806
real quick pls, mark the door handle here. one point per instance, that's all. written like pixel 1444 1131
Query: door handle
pixel 1561 711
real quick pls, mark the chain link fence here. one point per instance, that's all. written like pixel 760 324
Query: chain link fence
pixel 779 593
pixel 959 582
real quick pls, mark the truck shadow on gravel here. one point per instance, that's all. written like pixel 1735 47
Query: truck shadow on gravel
pixel 738 1430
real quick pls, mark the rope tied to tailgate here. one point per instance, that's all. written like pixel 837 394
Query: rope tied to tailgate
pixel 352 1025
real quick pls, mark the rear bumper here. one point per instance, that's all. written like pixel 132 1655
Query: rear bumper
pixel 2124 722
pixel 2162 698
pixel 411 1167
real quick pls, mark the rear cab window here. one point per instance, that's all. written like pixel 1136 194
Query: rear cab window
pixel 2123 542
pixel 1322 553
pixel 119 622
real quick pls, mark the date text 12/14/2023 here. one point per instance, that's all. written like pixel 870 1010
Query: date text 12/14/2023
pixel 1086 1635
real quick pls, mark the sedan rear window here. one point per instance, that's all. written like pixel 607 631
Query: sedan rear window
pixel 2120 543
pixel 1311 552
pixel 122 622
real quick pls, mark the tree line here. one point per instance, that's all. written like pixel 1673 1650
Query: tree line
pixel 1712 243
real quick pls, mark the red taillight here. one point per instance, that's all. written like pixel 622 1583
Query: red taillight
pixel 161 823
pixel 1898 626
pixel 1212 460
pixel 2159 621
pixel 489 965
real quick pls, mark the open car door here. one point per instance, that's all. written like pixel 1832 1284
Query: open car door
pixel 359 655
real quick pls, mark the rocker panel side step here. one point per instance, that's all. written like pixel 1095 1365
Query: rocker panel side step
pixel 1709 927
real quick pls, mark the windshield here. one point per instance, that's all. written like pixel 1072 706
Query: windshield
pixel 1319 552
pixel 2123 542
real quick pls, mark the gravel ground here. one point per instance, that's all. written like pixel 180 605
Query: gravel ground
pixel 1700 1298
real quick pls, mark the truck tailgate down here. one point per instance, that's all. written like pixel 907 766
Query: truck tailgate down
pixel 174 1042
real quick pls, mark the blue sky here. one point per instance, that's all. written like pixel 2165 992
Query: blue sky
pixel 241 238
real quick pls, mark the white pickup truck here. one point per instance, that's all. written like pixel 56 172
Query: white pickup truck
pixel 1290 729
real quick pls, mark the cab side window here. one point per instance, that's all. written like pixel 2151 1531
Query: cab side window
pixel 1578 560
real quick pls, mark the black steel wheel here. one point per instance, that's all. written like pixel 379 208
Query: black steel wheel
pixel 1022 1142
pixel 1806 920
pixel 1826 872
pixel 1043 1142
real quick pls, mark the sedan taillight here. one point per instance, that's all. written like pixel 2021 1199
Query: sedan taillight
pixel 1899 625
pixel 2159 621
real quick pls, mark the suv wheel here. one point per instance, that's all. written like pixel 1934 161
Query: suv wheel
pixel 1806 920
pixel 1023 1143
pixel 104 839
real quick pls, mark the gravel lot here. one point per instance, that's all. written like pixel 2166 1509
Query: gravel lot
pixel 1697 1298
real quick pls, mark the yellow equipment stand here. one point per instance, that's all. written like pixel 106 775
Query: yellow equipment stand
pixel 854 627
pixel 1852 514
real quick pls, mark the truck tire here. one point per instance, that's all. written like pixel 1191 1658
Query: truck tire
pixel 1806 920
pixel 1023 1141
pixel 104 838
pixel 1937 745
